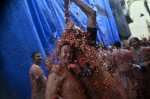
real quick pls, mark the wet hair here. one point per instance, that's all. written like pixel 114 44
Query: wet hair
pixel 135 38
pixel 144 44
pixel 60 46
pixel 117 44
pixel 34 53
pixel 144 39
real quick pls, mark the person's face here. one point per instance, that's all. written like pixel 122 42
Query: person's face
pixel 134 43
pixel 38 58
pixel 66 54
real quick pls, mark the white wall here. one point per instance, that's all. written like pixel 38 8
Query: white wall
pixel 139 27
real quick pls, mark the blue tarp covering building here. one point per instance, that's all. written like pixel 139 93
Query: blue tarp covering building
pixel 34 25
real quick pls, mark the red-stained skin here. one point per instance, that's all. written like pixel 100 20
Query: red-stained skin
pixel 98 83
pixel 98 86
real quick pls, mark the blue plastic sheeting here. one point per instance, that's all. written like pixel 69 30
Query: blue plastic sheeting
pixel 34 25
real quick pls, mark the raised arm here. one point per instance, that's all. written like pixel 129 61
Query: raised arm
pixel 90 12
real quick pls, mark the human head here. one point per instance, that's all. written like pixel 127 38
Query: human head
pixel 143 44
pixel 117 44
pixel 144 39
pixel 66 53
pixel 110 48
pixel 36 57
pixel 134 42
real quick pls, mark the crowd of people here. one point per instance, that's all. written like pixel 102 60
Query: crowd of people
pixel 84 71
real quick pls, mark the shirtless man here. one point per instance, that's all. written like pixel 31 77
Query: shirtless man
pixel 61 82
pixel 37 77
pixel 61 77
pixel 122 68
pixel 90 83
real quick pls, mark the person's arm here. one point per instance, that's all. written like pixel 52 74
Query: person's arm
pixel 42 81
pixel 40 77
pixel 146 64
pixel 90 13
pixel 53 83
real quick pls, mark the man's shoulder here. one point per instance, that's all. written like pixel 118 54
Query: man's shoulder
pixel 146 48
pixel 121 52
pixel 35 67
pixel 56 68
pixel 125 50
pixel 114 52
